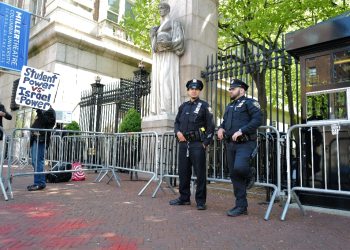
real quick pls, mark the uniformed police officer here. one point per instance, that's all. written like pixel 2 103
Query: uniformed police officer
pixel 194 127
pixel 241 119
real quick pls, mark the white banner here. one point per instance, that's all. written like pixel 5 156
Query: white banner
pixel 37 88
pixel 63 116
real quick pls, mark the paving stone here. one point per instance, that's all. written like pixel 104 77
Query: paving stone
pixel 86 215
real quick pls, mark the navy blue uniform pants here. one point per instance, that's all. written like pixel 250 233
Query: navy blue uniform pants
pixel 197 160
pixel 238 159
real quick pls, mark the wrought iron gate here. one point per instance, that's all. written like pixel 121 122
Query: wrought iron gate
pixel 272 76
pixel 103 108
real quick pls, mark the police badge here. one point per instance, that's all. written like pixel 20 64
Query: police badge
pixel 210 110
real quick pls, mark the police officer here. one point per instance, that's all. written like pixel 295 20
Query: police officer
pixel 241 119
pixel 194 127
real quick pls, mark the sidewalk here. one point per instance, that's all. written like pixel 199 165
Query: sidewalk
pixel 86 215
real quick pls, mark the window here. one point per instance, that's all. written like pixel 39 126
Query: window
pixel 342 66
pixel 113 10
pixel 312 72
pixel 37 7
pixel 117 8
pixel 128 8
pixel 317 70
pixel 326 106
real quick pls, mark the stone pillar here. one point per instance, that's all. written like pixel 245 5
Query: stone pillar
pixel 200 21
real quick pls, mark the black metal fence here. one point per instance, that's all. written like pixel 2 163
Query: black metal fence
pixel 272 76
pixel 103 108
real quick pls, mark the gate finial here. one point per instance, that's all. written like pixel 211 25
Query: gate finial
pixel 141 66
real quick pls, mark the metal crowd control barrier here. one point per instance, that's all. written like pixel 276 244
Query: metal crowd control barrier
pixel 316 138
pixel 2 158
pixel 20 152
pixel 217 169
pixel 70 148
pixel 94 151
pixel 135 152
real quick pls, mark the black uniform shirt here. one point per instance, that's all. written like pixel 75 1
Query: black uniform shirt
pixel 199 115
pixel 244 114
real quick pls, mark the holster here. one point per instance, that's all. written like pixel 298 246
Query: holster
pixel 240 139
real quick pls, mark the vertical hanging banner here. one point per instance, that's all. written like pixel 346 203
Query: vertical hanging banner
pixel 14 37
pixel 37 88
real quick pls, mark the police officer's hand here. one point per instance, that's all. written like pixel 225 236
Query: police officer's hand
pixel 235 135
pixel 180 136
pixel 203 145
pixel 2 113
pixel 221 133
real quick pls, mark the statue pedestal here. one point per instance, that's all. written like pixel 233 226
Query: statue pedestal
pixel 158 123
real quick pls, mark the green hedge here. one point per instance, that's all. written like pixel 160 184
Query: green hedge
pixel 73 126
pixel 131 122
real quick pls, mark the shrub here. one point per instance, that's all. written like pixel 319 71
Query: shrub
pixel 73 126
pixel 131 122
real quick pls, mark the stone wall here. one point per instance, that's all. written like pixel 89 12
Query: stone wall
pixel 78 48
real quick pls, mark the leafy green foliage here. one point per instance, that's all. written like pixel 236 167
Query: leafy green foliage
pixel 131 122
pixel 138 23
pixel 243 21
pixel 73 126
pixel 247 25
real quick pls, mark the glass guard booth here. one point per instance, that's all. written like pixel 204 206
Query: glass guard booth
pixel 324 54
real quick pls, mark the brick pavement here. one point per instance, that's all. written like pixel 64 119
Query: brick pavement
pixel 86 215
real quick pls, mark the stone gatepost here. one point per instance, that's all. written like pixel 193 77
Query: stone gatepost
pixel 200 21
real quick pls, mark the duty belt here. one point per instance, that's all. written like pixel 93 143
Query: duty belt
pixel 240 139
pixel 191 136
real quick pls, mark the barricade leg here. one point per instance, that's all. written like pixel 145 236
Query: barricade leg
pixel 272 200
pixel 288 203
pixel 3 189
pixel 99 174
pixel 166 179
pixel 169 185
pixel 110 177
pixel 9 188
pixel 160 186
pixel 298 202
pixel 149 182
pixel 116 177
pixel 285 208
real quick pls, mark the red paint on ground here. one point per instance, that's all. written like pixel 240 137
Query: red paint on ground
pixel 45 226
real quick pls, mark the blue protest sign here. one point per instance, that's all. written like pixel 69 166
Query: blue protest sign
pixel 14 37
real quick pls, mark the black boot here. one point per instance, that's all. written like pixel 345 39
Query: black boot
pixel 237 211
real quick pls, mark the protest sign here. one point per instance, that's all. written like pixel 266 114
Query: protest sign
pixel 14 37
pixel 37 88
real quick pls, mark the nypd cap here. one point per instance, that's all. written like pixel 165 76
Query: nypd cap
pixel 238 83
pixel 194 84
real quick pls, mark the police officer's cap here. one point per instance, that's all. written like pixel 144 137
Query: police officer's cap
pixel 194 84
pixel 238 83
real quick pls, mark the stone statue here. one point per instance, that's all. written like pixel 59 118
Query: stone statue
pixel 168 44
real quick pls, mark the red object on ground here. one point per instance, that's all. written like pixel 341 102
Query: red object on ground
pixel 78 176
